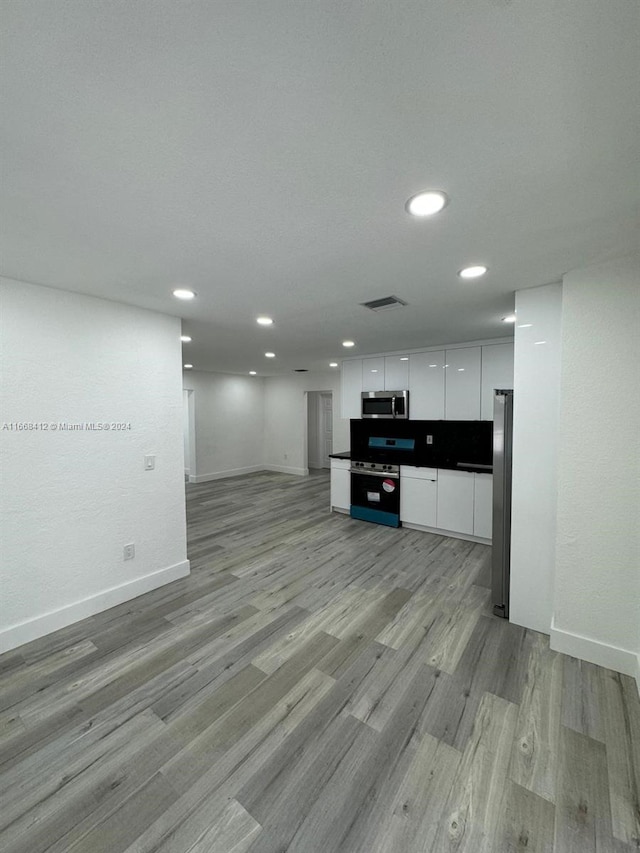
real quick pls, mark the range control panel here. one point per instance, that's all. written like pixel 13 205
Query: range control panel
pixel 377 467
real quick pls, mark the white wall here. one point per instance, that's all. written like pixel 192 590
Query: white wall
pixel 71 500
pixel 286 414
pixel 535 448
pixel 229 424
pixel 597 585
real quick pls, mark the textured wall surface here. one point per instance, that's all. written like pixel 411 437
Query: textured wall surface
pixel 229 423
pixel 72 499
pixel 535 441
pixel 597 588
pixel 286 418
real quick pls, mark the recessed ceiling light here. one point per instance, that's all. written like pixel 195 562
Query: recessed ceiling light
pixel 270 355
pixel 185 339
pixel 333 364
pixel 252 373
pixel 404 358
pixel 510 318
pixel 426 203
pixel 348 343
pixel 374 371
pixel 188 366
pixel 183 293
pixel 473 272
pixel 433 365
pixel 525 325
pixel 461 370
pixel 264 321
pixel 537 343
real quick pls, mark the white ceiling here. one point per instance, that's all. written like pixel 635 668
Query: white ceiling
pixel 262 153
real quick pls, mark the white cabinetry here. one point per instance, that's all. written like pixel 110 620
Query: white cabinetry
pixel 373 374
pixel 483 505
pixel 426 386
pixel 351 388
pixel 456 384
pixel 455 501
pixel 418 495
pixel 396 374
pixel 497 372
pixel 340 484
pixel 462 384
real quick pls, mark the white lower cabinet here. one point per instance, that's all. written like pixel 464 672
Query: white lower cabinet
pixel 451 501
pixel 455 501
pixel 418 495
pixel 340 484
pixel 483 505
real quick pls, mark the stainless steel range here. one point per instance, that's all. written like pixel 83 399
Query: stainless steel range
pixel 375 492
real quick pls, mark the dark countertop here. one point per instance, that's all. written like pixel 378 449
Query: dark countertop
pixel 474 469
pixel 470 467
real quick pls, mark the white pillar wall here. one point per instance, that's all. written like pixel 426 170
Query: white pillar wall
pixel 597 582
pixel 535 450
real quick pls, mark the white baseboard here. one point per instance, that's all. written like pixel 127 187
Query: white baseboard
pixel 594 651
pixel 452 534
pixel 283 469
pixel 221 475
pixel 40 626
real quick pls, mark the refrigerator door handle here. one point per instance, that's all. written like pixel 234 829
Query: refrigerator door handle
pixel 501 525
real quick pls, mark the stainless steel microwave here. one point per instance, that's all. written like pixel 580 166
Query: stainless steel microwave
pixel 385 404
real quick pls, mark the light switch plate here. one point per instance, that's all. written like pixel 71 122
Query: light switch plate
pixel 149 463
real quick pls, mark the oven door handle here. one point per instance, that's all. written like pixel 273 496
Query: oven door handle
pixel 383 474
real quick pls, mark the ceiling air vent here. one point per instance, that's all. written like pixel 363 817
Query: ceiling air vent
pixel 384 304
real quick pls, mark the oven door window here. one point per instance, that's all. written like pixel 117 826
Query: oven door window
pixel 375 492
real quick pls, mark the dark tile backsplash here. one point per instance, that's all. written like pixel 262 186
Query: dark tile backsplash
pixel 453 442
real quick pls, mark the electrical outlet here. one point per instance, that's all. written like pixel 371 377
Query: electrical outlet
pixel 149 463
pixel 129 551
pixel 429 439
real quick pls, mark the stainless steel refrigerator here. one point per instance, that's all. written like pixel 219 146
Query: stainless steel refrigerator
pixel 501 542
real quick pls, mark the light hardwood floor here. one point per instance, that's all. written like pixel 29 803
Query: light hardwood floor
pixel 317 685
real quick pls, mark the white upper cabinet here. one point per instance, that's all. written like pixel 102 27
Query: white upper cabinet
pixel 462 384
pixel 497 372
pixel 454 384
pixel 373 374
pixel 426 386
pixel 351 388
pixel 396 373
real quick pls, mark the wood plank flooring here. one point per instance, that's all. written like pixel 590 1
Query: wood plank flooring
pixel 317 685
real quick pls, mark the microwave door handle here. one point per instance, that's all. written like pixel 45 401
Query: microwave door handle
pixel 393 407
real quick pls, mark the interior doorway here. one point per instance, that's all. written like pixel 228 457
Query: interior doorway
pixel 319 429
pixel 188 434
